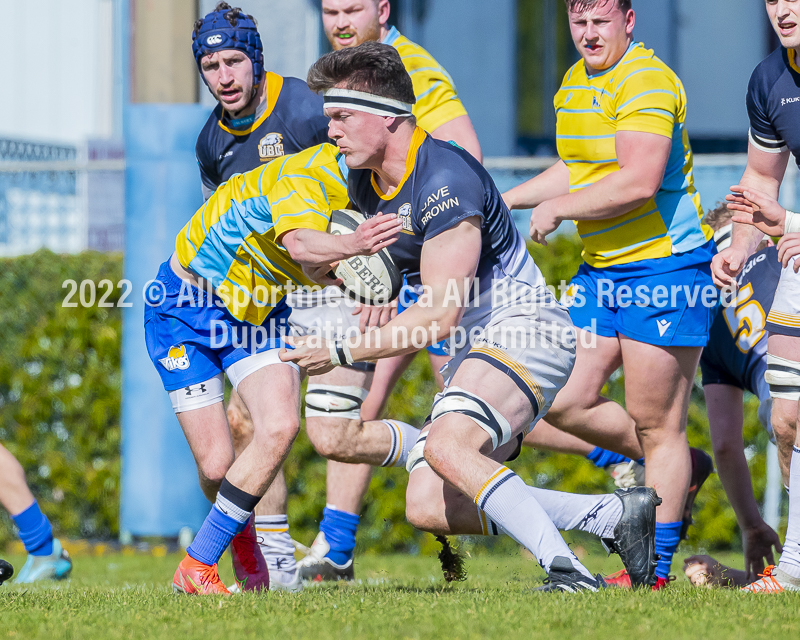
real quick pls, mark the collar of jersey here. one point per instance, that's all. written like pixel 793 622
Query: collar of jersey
pixel 600 74
pixel 416 141
pixel 274 86
pixel 393 35
pixel 792 55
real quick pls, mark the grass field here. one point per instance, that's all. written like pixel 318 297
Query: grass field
pixel 396 597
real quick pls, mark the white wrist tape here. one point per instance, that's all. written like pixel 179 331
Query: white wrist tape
pixel 340 353
pixel 792 222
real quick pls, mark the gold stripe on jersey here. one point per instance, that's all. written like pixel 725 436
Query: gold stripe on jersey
pixel 641 94
pixel 417 138
pixel 232 240
pixel 783 319
pixel 437 99
pixel 274 86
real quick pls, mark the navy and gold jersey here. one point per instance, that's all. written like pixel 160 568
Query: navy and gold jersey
pixel 442 185
pixel 738 340
pixel 292 121
pixel 773 104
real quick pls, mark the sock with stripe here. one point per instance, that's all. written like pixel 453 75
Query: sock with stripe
pixel 340 529
pixel 790 558
pixel 602 457
pixel 35 530
pixel 404 436
pixel 668 536
pixel 507 500
pixel 595 514
pixel 488 526
pixel 227 517
pixel 275 542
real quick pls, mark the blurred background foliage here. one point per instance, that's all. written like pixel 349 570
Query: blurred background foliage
pixel 59 414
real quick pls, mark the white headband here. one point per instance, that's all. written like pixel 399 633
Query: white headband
pixel 724 236
pixel 366 102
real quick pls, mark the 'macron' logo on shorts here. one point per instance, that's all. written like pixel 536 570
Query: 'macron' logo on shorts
pixel 176 359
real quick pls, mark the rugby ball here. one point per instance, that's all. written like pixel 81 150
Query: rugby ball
pixel 371 279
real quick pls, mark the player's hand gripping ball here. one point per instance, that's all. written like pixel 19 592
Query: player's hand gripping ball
pixel 697 574
pixel 372 279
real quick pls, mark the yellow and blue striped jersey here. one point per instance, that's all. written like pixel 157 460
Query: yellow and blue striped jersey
pixel 233 239
pixel 639 93
pixel 437 100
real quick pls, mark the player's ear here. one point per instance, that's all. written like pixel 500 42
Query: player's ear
pixel 384 9
pixel 630 21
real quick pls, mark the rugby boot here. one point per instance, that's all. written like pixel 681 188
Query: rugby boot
pixel 56 566
pixel 196 578
pixel 635 535
pixel 249 565
pixel 317 567
pixel 622 580
pixel 6 571
pixel 773 580
pixel 702 467
pixel 563 576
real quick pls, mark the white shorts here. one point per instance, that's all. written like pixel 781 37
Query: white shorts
pixel 523 331
pixel 784 316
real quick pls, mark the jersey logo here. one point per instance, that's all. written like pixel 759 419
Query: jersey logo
pixel 176 358
pixel 785 101
pixel 404 213
pixel 271 146
pixel 663 325
pixel 595 102
pixel 436 203
pixel 212 40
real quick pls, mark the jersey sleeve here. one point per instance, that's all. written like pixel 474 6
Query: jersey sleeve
pixel 446 199
pixel 648 101
pixel 763 134
pixel 305 200
pixel 209 172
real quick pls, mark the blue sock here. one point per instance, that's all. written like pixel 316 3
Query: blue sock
pixel 668 535
pixel 35 530
pixel 602 458
pixel 339 528
pixel 214 536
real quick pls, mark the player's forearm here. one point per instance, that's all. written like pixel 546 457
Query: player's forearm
pixel 313 248
pixel 419 326
pixel 735 477
pixel 552 183
pixel 617 194
pixel 746 237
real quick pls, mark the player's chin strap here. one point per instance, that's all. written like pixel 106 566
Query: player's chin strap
pixel 366 102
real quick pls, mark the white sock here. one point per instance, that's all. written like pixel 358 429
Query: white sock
pixel 790 558
pixel 488 526
pixel 275 542
pixel 595 514
pixel 507 500
pixel 404 436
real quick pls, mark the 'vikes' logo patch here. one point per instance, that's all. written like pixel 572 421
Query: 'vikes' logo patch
pixel 271 146
pixel 176 358
pixel 404 213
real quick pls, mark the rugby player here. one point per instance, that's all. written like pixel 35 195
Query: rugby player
pixel 260 116
pixel 625 178
pixel 218 305
pixel 47 559
pixel 498 382
pixel 348 23
pixel 773 106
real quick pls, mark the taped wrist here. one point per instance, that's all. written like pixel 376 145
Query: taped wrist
pixel 340 353
pixel 792 222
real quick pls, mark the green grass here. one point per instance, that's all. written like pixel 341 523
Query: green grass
pixel 397 597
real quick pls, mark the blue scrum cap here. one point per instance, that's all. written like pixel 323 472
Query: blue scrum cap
pixel 216 33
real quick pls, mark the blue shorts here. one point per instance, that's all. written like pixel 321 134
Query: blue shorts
pixel 667 302
pixel 408 297
pixel 191 338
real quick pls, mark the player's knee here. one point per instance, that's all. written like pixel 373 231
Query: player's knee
pixel 331 437
pixel 212 470
pixel 422 507
pixel 443 446
pixel 277 433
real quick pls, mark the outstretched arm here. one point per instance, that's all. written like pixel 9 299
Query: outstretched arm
pixel 448 265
